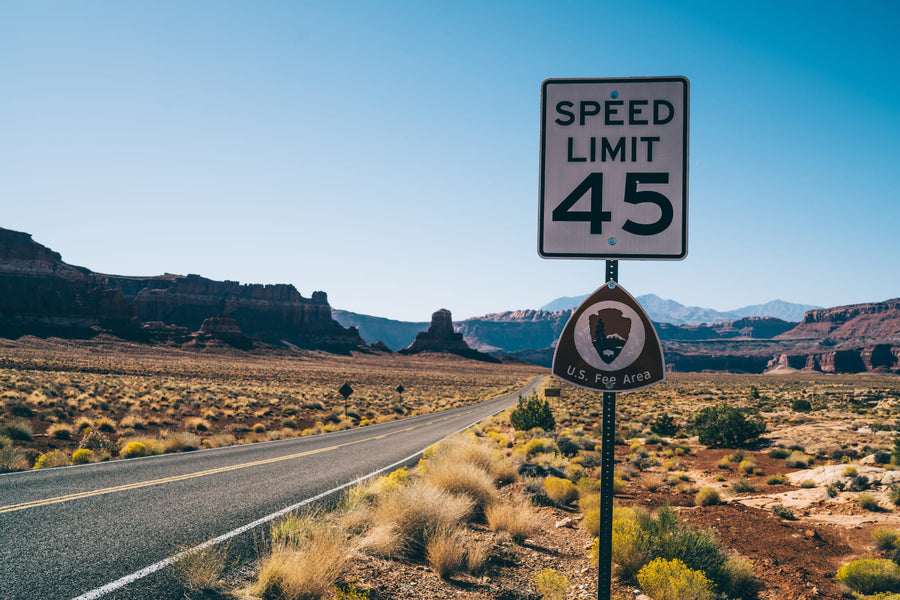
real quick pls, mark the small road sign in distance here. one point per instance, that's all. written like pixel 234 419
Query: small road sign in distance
pixel 614 168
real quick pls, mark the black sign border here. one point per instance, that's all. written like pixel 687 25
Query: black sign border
pixel 684 191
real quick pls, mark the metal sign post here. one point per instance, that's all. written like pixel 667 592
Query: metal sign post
pixel 613 185
pixel 607 469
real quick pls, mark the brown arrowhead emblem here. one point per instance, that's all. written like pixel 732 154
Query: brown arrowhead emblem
pixel 609 344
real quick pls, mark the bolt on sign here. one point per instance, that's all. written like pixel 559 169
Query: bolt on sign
pixel 614 168
pixel 609 344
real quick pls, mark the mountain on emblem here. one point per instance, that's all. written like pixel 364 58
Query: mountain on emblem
pixel 609 333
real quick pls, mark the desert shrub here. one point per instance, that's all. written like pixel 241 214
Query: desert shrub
pixel 532 412
pixel 859 483
pixel 416 511
pixel 19 409
pixel 801 405
pixel 567 446
pixel 779 453
pixel 516 518
pixel 200 570
pixel 885 538
pixel 53 458
pixel 462 479
pixel 707 496
pixel 348 591
pixel 17 430
pixel 445 552
pixel 738 572
pixel 798 460
pixel 807 483
pixel 306 571
pixel 664 425
pixel 782 511
pixel 881 457
pixel 551 585
pixel 180 441
pixel 868 502
pixel 540 445
pixel 725 426
pixel 560 490
pixel 82 456
pixel 870 575
pixel 665 579
pixel 13 458
pixel 591 522
pixel 106 425
pixel 639 537
pixel 133 450
pixel 743 486
pixel 777 479
pixel 894 495
pixel 60 431
pixel 849 471
pixel 748 466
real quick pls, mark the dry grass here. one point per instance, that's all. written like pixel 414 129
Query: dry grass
pixel 515 517
pixel 201 570
pixel 306 568
pixel 462 479
pixel 417 510
pixel 119 389
pixel 445 552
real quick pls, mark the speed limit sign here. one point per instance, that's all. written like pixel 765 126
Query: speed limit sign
pixel 614 168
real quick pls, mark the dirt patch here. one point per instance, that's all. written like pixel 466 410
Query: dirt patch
pixel 792 559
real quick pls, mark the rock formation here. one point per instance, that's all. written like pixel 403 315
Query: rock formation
pixel 441 337
pixel 42 295
pixel 222 329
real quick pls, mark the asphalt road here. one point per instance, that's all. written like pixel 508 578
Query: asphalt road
pixel 84 532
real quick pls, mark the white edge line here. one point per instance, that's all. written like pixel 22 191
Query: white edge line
pixel 123 581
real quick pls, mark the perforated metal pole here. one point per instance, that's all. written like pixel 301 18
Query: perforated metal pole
pixel 607 467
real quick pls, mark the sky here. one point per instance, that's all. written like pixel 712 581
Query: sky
pixel 388 152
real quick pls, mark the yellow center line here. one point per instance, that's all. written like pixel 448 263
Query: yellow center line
pixel 142 484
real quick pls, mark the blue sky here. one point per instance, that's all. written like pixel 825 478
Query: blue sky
pixel 387 152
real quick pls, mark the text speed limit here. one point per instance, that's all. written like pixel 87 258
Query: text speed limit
pixel 614 168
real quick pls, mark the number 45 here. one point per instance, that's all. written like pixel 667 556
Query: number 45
pixel 596 216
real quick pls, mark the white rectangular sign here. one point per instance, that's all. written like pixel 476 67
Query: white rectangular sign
pixel 614 168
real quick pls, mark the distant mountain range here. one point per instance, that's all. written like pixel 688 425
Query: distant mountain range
pixel 40 295
pixel 670 311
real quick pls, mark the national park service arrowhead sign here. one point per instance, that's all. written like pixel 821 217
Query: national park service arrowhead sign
pixel 609 344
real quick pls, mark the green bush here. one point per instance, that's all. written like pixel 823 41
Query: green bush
pixel 868 502
pixel 743 486
pixel 779 453
pixel 801 405
pixel 885 538
pixel 782 511
pixel 664 425
pixel 870 575
pixel 724 426
pixel 707 496
pixel 639 537
pixel 532 412
pixel 777 479
pixel 665 579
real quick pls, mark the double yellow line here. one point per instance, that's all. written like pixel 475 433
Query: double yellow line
pixel 143 484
